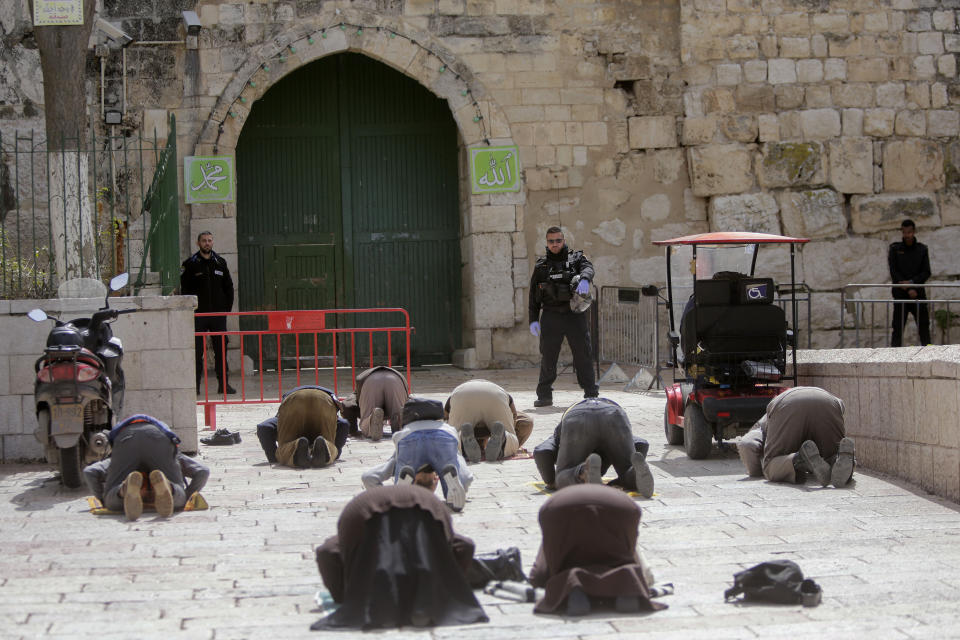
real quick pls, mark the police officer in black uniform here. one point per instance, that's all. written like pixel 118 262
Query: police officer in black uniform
pixel 552 319
pixel 909 263
pixel 205 275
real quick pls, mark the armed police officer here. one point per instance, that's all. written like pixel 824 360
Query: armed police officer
pixel 205 275
pixel 557 278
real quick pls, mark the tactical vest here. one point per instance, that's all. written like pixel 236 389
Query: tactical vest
pixel 555 289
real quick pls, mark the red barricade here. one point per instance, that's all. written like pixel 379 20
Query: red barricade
pixel 294 325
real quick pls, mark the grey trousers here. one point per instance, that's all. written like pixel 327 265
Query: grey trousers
pixel 595 425
pixel 142 447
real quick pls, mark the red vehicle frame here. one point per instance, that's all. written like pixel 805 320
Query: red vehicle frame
pixel 697 413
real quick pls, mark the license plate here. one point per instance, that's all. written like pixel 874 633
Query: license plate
pixel 66 418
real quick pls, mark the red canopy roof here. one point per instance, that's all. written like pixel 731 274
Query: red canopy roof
pixel 732 237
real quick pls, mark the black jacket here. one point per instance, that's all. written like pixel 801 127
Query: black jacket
pixel 209 280
pixel 570 263
pixel 909 262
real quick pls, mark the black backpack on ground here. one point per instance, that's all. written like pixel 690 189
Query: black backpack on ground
pixel 777 581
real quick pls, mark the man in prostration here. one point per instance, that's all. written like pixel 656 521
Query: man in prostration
pixel 396 561
pixel 306 432
pixel 487 420
pixel 593 434
pixel 801 433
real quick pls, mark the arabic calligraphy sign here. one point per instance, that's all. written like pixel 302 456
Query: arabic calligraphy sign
pixel 495 169
pixel 52 13
pixel 208 179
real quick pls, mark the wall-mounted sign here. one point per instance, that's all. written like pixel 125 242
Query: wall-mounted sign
pixel 55 13
pixel 495 169
pixel 208 179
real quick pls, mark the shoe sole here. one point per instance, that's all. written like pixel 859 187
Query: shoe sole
pixel 842 470
pixel 376 424
pixel 406 476
pixel 494 449
pixel 456 494
pixel 643 475
pixel 578 603
pixel 132 502
pixel 627 604
pixel 162 494
pixel 471 448
pixel 319 453
pixel 593 469
pixel 815 464
pixel 301 455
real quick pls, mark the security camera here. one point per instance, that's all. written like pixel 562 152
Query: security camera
pixel 113 32
pixel 192 22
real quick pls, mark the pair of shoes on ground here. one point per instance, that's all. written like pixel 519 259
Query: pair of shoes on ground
pixel 809 460
pixel 471 446
pixel 306 455
pixel 162 494
pixel 456 494
pixel 375 426
pixel 222 437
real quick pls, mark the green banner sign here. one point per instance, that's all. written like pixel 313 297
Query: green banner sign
pixel 208 179
pixel 495 169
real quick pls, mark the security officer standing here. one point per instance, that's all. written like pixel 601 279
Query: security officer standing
pixel 553 319
pixel 205 274
pixel 909 263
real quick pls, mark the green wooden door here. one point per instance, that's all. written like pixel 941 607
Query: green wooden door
pixel 349 154
pixel 400 170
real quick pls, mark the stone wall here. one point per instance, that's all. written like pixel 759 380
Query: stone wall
pixel 901 408
pixel 831 120
pixel 158 362
pixel 636 121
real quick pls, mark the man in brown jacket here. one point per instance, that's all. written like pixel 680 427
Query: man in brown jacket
pixel 802 432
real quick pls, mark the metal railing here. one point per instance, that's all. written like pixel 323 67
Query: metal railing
pixel 939 312
pixel 295 346
pixel 118 192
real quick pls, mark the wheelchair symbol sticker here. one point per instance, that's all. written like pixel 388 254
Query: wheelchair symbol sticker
pixel 758 292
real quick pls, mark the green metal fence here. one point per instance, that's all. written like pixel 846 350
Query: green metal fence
pixel 127 189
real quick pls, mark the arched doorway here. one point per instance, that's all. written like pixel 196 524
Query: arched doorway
pixel 347 196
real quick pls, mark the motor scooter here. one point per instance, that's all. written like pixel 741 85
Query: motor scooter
pixel 79 387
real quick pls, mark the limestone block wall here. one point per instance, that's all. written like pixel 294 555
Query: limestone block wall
pixel 158 362
pixel 635 121
pixel 833 121
pixel 901 408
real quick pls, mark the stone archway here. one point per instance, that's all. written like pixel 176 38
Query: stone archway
pixel 491 225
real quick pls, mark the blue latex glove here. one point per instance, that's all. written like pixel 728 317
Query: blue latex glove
pixel 535 328
pixel 583 287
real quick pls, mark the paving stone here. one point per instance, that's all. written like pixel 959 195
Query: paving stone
pixel 884 551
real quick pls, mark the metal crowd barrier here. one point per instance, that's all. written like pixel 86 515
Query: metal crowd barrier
pixel 294 338
pixel 941 318
pixel 628 328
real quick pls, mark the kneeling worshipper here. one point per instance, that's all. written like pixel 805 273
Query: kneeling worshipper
pixel 396 561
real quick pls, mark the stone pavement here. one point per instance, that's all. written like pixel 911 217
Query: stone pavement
pixel 886 555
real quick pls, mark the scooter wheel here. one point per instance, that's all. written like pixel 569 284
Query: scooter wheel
pixel 70 467
pixel 697 433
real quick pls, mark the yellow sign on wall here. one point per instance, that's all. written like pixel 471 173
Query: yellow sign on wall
pixel 57 13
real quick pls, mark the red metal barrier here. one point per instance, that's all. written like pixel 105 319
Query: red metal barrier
pixel 297 324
